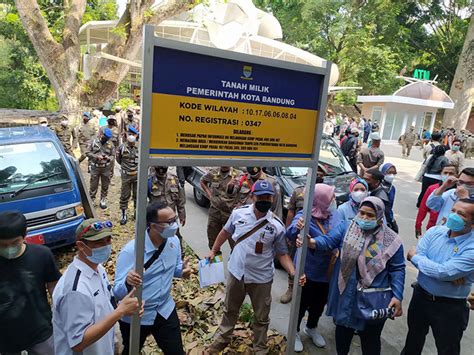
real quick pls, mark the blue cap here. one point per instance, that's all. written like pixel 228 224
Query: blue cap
pixel 108 133
pixel 132 129
pixel 87 114
pixel 262 187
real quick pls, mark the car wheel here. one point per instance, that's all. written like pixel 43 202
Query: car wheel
pixel 201 200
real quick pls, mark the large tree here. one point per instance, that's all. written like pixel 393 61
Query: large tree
pixel 462 87
pixel 59 50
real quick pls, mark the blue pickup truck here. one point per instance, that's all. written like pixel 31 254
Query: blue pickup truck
pixel 38 178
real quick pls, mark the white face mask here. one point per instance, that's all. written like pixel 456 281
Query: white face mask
pixel 358 196
pixel 132 139
pixel 44 124
pixel 64 123
pixel 389 178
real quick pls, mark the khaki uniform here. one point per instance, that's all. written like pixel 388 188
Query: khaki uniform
pixel 407 140
pixel 245 196
pixel 126 122
pixel 115 141
pixel 223 200
pixel 100 159
pixel 65 137
pixel 297 199
pixel 127 157
pixel 168 191
pixel 85 133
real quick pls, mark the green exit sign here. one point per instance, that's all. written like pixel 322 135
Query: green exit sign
pixel 421 74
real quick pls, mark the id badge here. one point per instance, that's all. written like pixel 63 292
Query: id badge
pixel 258 248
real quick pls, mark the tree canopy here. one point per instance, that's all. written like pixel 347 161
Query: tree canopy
pixel 373 41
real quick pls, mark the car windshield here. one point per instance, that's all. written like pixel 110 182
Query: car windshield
pixel 22 164
pixel 331 157
pixel 286 171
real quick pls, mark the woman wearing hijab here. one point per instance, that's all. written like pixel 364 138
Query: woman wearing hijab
pixel 371 257
pixel 359 190
pixel 436 162
pixel 315 291
pixel 390 171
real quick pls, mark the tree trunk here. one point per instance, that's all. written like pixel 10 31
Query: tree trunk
pixel 462 87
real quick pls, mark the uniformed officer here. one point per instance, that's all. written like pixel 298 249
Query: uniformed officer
pixel 85 133
pixel 83 304
pixel 64 133
pixel 130 120
pixel 112 125
pixel 164 187
pixel 257 235
pixel 127 157
pixel 254 174
pixel 101 154
pixel 221 187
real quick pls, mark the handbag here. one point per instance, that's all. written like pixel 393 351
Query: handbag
pixel 372 304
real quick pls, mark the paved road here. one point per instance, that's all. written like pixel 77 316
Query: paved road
pixel 394 333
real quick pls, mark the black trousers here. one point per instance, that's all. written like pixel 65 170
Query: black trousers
pixel 314 296
pixel 166 332
pixel 447 320
pixel 369 339
pixel 425 183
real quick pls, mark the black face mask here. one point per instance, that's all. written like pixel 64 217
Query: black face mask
pixel 263 206
pixel 130 117
pixel 319 180
pixel 104 140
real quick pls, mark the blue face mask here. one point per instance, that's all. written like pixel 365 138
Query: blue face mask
pixel 365 224
pixel 170 231
pixel 100 255
pixel 455 222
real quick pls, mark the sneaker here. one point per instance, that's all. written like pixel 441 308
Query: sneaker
pixel 298 343
pixel 103 204
pixel 317 338
pixel 286 297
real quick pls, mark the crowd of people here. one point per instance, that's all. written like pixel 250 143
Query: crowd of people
pixel 354 267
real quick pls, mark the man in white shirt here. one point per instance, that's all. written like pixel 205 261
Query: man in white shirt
pixel 257 235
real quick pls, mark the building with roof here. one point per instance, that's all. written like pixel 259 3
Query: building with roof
pixel 414 104
pixel 235 25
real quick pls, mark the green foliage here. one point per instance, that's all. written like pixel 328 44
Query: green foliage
pixel 124 103
pixel 23 80
pixel 372 41
pixel 246 313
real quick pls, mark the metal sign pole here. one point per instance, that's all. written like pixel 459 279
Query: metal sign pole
pixel 166 97
pixel 308 202
pixel 142 188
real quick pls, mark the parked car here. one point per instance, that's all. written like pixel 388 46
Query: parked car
pixel 39 179
pixel 331 159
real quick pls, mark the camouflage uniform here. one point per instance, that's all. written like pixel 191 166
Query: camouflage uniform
pixel 100 168
pixel 115 141
pixel 296 203
pixel 223 200
pixel 134 122
pixel 245 196
pixel 167 190
pixel 65 136
pixel 127 157
pixel 85 133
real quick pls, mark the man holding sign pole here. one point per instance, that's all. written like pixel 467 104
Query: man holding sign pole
pixel 256 235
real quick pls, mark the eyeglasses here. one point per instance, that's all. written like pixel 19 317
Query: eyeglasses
pixel 169 221
pixel 97 226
